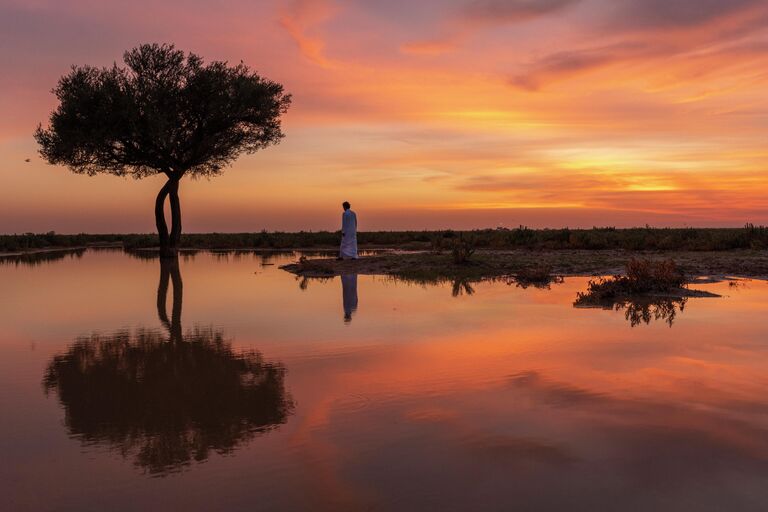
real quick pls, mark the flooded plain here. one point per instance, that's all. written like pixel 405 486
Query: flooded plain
pixel 225 383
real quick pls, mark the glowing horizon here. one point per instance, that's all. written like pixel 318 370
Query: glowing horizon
pixel 461 113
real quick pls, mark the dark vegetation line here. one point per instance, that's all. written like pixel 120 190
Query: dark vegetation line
pixel 632 239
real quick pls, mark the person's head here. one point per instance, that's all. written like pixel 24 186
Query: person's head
pixel 345 205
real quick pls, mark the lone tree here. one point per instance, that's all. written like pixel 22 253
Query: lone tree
pixel 165 112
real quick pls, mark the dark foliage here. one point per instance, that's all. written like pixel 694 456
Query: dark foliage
pixel 462 248
pixel 164 112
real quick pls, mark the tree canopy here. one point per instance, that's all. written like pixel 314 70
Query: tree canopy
pixel 164 112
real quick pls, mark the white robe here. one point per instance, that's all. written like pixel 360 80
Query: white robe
pixel 349 235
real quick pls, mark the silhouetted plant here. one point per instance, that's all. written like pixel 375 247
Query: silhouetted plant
pixel 636 293
pixel 462 248
pixel 164 113
pixel 642 277
pixel 437 243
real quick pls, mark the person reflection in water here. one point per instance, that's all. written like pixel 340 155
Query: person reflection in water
pixel 348 248
pixel 167 399
pixel 349 295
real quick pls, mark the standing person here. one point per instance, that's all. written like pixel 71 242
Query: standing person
pixel 348 233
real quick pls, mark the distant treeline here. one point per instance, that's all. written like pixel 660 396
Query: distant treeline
pixel 648 238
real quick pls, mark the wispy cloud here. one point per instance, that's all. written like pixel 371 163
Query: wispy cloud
pixel 299 18
pixel 569 63
pixel 480 14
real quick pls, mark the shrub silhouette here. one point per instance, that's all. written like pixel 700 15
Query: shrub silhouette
pixel 462 248
pixel 642 277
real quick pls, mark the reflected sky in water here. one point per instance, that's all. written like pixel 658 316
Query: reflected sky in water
pixel 260 391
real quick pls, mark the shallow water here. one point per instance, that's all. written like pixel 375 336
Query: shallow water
pixel 254 390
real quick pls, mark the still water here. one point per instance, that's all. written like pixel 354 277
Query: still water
pixel 224 383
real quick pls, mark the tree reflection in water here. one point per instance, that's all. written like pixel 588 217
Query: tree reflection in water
pixel 641 310
pixel 167 399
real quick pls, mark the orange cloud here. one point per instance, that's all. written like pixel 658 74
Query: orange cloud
pixel 298 19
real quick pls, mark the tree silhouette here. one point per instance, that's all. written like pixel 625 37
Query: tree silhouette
pixel 165 112
pixel 167 400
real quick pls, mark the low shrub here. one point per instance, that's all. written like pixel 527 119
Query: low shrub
pixel 463 248
pixel 643 276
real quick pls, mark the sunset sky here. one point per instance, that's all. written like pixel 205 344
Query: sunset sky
pixel 424 114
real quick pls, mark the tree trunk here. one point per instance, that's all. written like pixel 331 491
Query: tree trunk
pixel 169 242
pixel 175 215
pixel 162 227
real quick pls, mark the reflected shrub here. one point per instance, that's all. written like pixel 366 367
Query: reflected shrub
pixel 537 277
pixel 644 311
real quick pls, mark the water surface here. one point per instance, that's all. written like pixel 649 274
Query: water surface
pixel 224 383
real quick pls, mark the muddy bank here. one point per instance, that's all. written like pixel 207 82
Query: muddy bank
pixel 498 264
